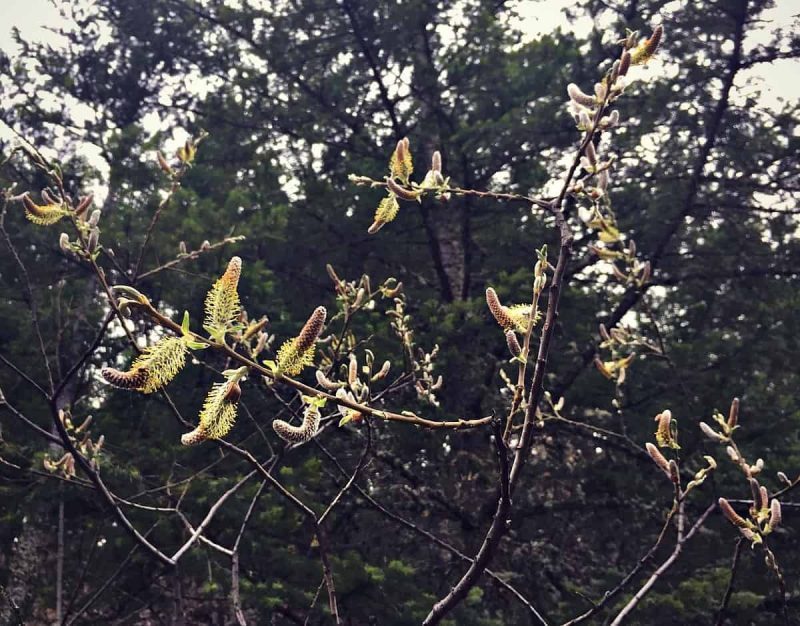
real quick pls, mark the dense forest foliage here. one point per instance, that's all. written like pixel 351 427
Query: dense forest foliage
pixel 376 520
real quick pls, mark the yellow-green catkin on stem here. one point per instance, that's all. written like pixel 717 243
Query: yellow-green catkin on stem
pixel 153 369
pixel 645 50
pixel 515 317
pixel 401 165
pixel 386 212
pixel 297 353
pixel 664 435
pixel 218 413
pixel 43 214
pixel 222 301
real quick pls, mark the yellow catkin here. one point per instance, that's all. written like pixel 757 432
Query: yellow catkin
pixel 520 314
pixel 401 164
pixel 664 436
pixel 222 301
pixel 42 214
pixel 297 353
pixel 386 212
pixel 153 369
pixel 217 415
pixel 162 361
pixel 645 50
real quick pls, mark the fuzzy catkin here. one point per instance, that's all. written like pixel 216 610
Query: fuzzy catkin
pixel 302 433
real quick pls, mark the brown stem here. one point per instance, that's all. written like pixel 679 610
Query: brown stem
pixel 723 606
pixel 407 418
pixel 682 539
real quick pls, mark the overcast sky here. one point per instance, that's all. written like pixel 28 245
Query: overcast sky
pixel 778 81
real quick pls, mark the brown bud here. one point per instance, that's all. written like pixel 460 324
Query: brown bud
pixel 579 97
pixel 91 244
pixel 755 490
pixel 134 379
pixel 733 517
pixel 603 369
pixel 402 149
pixel 764 498
pixel 659 459
pixel 326 382
pixel 261 343
pixel 646 271
pixel 674 473
pixel 233 392
pixel 498 310
pixel 402 192
pixel 436 161
pixel 624 63
pixel 733 416
pixel 332 273
pixel 711 433
pixel 311 329
pixel 513 344
pixel 614 71
pixel 162 163
pixel 83 205
pixel 194 437
pixel 655 39
pixel 591 153
pixel 253 329
pixel 352 371
pixel 775 516
pixel 383 371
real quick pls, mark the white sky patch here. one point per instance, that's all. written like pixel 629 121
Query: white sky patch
pixel 777 81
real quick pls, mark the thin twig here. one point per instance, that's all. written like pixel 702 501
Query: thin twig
pixel 682 539
pixel 723 606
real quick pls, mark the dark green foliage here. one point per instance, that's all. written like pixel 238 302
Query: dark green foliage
pixel 310 92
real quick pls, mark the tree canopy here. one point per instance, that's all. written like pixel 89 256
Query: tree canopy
pixel 287 100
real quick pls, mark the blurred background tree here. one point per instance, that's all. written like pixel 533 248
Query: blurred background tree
pixel 297 95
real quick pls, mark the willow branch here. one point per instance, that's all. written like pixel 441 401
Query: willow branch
pixel 723 606
pixel 682 539
pixel 408 418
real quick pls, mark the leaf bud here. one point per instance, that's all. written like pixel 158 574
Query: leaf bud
pixel 579 97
